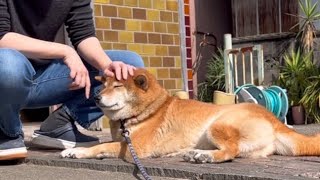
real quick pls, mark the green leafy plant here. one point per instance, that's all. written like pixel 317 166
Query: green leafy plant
pixel 215 77
pixel 293 75
pixel 310 98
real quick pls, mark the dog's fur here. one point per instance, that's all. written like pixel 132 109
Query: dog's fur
pixel 161 125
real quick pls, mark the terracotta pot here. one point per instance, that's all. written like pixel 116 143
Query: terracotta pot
pixel 220 97
pixel 298 115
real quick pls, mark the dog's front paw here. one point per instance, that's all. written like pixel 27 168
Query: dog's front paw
pixel 198 156
pixel 75 153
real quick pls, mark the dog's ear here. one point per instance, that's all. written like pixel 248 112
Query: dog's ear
pixel 100 78
pixel 141 81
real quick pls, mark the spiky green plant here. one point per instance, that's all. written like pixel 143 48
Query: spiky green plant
pixel 215 77
pixel 310 98
pixel 307 29
pixel 293 75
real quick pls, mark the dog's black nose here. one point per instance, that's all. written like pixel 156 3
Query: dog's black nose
pixel 97 98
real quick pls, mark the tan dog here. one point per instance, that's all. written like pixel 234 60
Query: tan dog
pixel 161 125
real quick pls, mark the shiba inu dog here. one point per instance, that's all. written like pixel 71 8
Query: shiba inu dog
pixel 163 125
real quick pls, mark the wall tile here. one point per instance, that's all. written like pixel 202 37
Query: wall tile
pixel 173 28
pixel 154 38
pixel 172 5
pixel 125 12
pixel 163 73
pixel 162 50
pixel 148 49
pixel 153 15
pixel 102 22
pixel 170 84
pixel 168 62
pixel 140 37
pixel 116 2
pixel 159 4
pixel 109 11
pixel 119 46
pixel 156 62
pixel 97 10
pixel 160 27
pixel 118 24
pixel 133 3
pixel 139 13
pixel 125 36
pixel 147 26
pixel 99 34
pixel 174 50
pixel 102 1
pixel 133 25
pixel 106 46
pixel 111 36
pixel 135 48
pixel 165 16
pixel 145 3
pixel 175 73
pixel 167 39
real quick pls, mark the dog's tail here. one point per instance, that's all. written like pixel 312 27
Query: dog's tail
pixel 290 142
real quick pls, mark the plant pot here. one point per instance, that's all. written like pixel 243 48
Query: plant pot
pixel 182 94
pixel 220 97
pixel 298 115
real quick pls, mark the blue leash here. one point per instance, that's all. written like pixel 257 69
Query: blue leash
pixel 125 134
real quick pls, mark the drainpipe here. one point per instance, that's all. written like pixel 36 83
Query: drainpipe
pixel 183 49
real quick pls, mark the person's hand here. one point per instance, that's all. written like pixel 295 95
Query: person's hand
pixel 78 72
pixel 119 69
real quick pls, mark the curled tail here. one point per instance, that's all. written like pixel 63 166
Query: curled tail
pixel 289 142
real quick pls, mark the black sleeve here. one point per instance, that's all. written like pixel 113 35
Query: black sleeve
pixel 80 22
pixel 5 24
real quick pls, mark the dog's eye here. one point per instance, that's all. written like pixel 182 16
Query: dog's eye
pixel 118 85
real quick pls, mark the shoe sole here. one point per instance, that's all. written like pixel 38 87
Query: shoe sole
pixel 13 154
pixel 48 142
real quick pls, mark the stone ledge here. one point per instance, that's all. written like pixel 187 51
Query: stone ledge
pixel 272 168
pixel 275 167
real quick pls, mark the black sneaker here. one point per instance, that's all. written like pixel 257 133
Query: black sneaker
pixel 65 137
pixel 12 148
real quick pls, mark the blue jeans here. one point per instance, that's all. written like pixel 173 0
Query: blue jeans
pixel 26 85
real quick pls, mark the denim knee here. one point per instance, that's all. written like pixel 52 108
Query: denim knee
pixel 16 76
pixel 128 57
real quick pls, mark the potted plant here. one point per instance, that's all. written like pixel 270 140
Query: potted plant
pixel 292 77
pixel 215 78
pixel 299 70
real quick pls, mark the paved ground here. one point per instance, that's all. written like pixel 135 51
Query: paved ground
pixel 47 165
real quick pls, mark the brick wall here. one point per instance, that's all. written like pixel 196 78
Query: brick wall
pixel 150 28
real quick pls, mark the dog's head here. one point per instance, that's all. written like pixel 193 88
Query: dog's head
pixel 128 98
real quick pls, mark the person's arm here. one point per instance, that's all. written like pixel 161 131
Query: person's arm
pixel 38 49
pixel 81 31
pixel 91 50
pixel 34 48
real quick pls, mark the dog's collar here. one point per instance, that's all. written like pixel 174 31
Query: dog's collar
pixel 123 127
